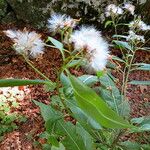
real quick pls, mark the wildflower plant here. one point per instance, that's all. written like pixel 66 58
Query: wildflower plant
pixel 100 110
pixel 129 43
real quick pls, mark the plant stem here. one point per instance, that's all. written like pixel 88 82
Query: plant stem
pixel 116 33
pixel 50 46
pixel 116 140
pixel 36 70
pixel 127 74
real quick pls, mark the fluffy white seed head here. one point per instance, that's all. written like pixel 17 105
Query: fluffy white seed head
pixel 129 7
pixel 58 21
pixel 89 39
pixel 27 43
pixel 114 10
pixel 80 38
pixel 134 37
pixel 139 24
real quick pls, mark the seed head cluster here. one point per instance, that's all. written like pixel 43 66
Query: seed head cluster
pixel 139 24
pixel 114 10
pixel 26 43
pixel 58 22
pixel 90 40
pixel 134 37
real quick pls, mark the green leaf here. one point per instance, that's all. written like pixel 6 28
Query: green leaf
pixel 135 146
pixel 57 44
pixel 85 120
pixel 143 48
pixel 61 147
pixel 144 123
pixel 109 22
pixel 46 147
pixel 111 94
pixel 111 65
pixel 95 107
pixel 85 136
pixel 64 80
pixel 72 140
pixel 88 79
pixel 137 120
pixel 56 125
pixel 145 127
pixel 123 44
pixel 73 63
pixel 131 145
pixel 135 82
pixel 142 66
pixel 20 82
pixel 52 140
pixel 47 112
pixel 100 73
pixel 118 59
pixel 56 101
pixel 119 36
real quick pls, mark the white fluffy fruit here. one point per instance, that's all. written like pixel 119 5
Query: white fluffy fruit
pixel 27 43
pixel 96 47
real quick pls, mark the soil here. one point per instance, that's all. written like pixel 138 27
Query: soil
pixel 13 66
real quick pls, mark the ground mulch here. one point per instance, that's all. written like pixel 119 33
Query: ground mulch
pixel 13 66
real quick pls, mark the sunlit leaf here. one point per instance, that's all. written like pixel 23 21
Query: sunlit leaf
pixel 95 107
pixel 109 22
pixel 60 147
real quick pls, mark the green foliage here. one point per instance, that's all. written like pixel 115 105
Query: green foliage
pixel 8 119
pixel 122 44
pixel 95 106
pixel 134 146
pixel 19 82
pixel 57 45
pixel 71 136
pixel 87 112
pixel 142 66
pixel 135 82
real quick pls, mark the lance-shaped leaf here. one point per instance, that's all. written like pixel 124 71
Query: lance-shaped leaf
pixel 67 132
pixel 58 45
pixel 123 44
pixel 118 59
pixel 135 82
pixel 95 107
pixel 20 82
pixel 142 66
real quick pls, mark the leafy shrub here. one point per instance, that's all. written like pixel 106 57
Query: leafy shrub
pixel 99 111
